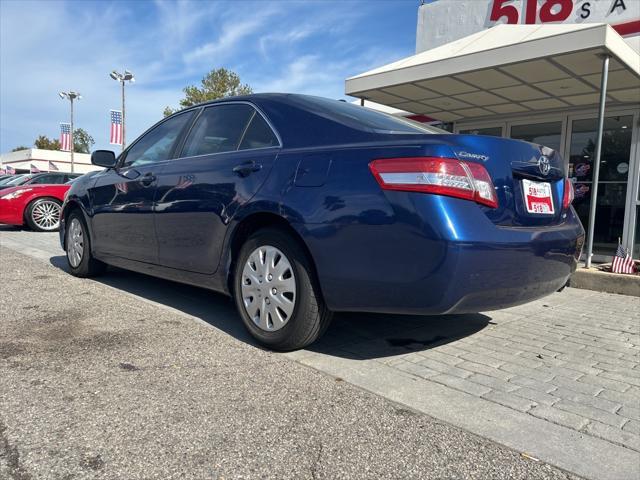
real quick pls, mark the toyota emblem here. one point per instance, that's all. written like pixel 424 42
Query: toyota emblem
pixel 544 165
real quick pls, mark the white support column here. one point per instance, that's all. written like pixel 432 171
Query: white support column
pixel 596 161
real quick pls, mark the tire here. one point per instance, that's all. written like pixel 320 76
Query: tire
pixel 43 214
pixel 270 319
pixel 82 265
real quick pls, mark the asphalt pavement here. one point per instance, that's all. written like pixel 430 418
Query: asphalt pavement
pixel 96 382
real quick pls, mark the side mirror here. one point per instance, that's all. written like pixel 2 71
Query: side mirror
pixel 104 158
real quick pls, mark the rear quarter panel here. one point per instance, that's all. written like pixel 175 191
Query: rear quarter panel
pixel 358 237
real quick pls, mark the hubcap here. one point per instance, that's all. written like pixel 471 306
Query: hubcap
pixel 75 243
pixel 268 288
pixel 46 215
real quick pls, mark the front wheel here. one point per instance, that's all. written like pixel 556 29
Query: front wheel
pixel 276 293
pixel 43 215
pixel 78 244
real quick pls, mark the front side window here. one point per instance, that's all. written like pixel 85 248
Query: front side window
pixel 156 145
pixel 219 129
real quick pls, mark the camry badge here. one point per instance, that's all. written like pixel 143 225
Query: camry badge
pixel 544 165
pixel 473 156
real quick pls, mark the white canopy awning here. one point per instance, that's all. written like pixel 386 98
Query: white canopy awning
pixel 507 69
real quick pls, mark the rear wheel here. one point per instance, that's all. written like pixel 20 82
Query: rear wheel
pixel 276 293
pixel 79 258
pixel 43 215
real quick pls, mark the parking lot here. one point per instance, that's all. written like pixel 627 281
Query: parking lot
pixel 130 376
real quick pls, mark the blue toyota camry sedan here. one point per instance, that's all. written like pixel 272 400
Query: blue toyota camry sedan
pixel 300 206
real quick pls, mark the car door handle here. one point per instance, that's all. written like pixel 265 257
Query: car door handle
pixel 147 179
pixel 245 169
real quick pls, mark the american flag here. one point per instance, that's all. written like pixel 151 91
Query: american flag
pixel 622 261
pixel 185 181
pixel 52 166
pixel 65 137
pixel 116 128
pixel 33 169
pixel 10 170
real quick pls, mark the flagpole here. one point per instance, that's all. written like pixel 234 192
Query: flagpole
pixel 72 145
pixel 127 76
pixel 122 115
pixel 71 96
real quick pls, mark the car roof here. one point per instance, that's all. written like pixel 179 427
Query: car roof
pixel 306 120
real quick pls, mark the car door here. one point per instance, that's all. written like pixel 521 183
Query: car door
pixel 123 197
pixel 225 159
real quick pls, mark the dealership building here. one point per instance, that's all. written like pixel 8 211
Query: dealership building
pixel 534 70
pixel 32 159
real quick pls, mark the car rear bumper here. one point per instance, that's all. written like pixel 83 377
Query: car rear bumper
pixel 457 265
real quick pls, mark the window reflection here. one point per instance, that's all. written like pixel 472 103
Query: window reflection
pixel 548 134
pixel 612 184
pixel 616 149
pixel 492 131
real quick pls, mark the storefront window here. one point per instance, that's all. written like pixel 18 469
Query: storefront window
pixel 612 184
pixel 493 131
pixel 548 134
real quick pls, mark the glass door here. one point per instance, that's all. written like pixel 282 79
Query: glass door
pixel 612 184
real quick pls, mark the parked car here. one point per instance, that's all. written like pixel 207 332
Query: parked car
pixel 48 178
pixel 35 205
pixel 300 206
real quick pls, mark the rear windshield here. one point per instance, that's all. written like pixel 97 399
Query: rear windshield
pixel 18 180
pixel 7 180
pixel 362 118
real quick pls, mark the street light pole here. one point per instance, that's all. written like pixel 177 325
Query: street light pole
pixel 127 76
pixel 71 96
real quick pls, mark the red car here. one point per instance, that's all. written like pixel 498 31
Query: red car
pixel 38 206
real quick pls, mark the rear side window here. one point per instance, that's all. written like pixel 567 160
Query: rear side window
pixel 219 129
pixel 258 134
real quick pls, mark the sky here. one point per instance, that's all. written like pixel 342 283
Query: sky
pixel 275 46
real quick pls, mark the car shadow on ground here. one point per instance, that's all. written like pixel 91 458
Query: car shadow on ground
pixel 351 335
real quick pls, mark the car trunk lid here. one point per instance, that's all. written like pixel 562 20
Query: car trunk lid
pixel 529 178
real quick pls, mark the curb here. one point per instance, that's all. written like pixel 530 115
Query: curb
pixel 599 281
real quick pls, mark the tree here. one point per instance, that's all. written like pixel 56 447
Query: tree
pixel 82 141
pixel 21 147
pixel 218 83
pixel 45 143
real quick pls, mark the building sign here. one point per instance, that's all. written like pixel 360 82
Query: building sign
pixel 443 21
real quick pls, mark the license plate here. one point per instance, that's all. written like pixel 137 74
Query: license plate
pixel 538 197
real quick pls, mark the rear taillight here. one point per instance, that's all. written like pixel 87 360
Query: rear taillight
pixel 568 195
pixel 441 176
